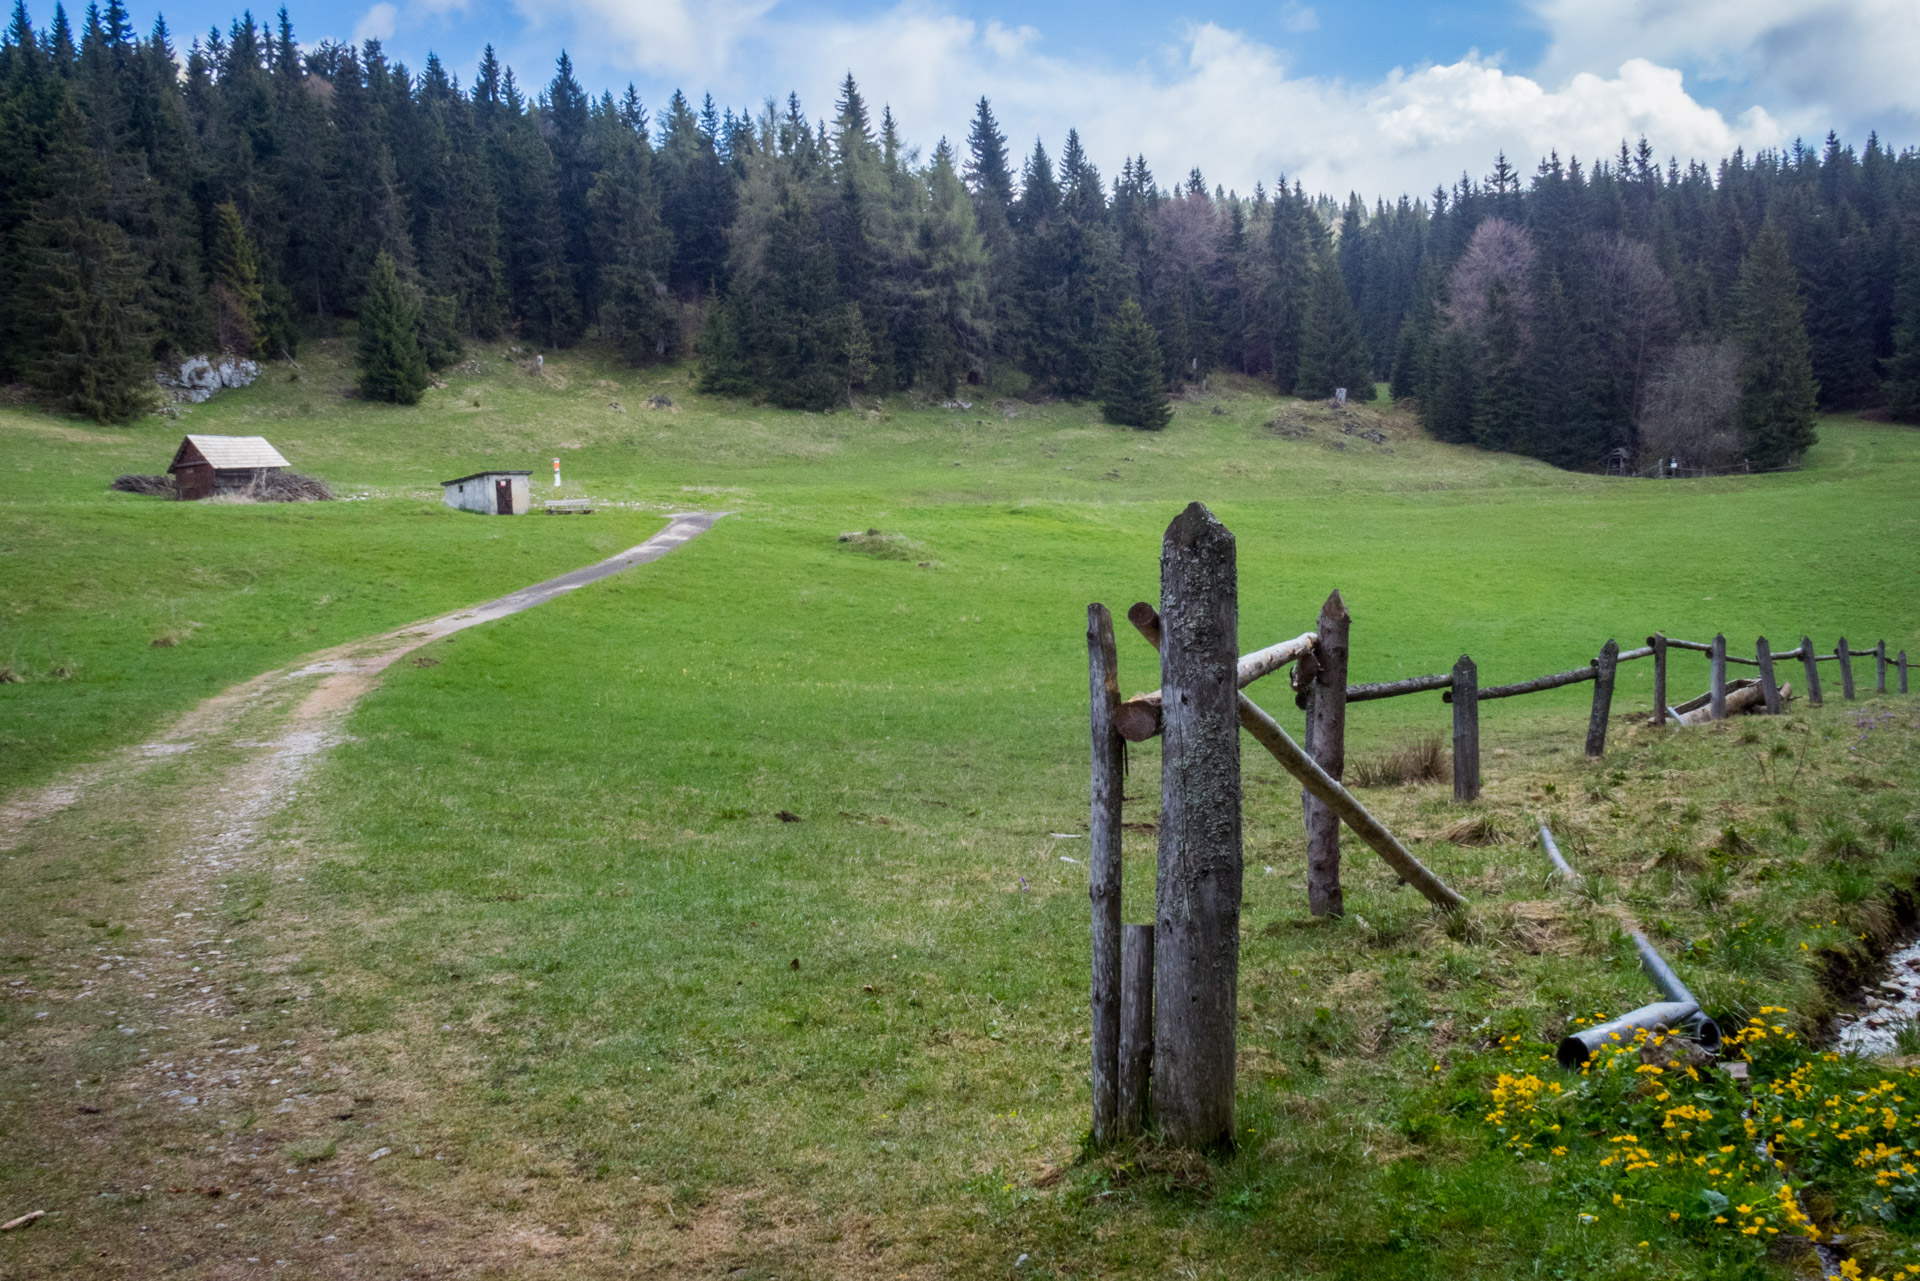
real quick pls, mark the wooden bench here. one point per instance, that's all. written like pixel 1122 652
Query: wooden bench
pixel 566 506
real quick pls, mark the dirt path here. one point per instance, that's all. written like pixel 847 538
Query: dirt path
pixel 347 673
pixel 160 1065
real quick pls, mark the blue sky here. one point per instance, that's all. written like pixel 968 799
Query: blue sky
pixel 1371 96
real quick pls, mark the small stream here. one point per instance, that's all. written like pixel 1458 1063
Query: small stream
pixel 1889 1006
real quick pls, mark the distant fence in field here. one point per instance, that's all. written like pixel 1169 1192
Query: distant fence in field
pixel 1163 994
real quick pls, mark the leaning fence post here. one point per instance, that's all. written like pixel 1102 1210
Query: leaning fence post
pixel 1768 688
pixel 1327 744
pixel 1466 730
pixel 1717 696
pixel 1136 1027
pixel 1659 643
pixel 1812 665
pixel 1846 669
pixel 1880 668
pixel 1103 864
pixel 1604 668
pixel 1197 926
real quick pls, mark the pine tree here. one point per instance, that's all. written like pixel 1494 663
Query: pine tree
pixel 1903 368
pixel 1777 392
pixel 392 366
pixel 1332 353
pixel 236 292
pixel 1133 387
pixel 951 264
pixel 1501 409
pixel 633 249
pixel 94 347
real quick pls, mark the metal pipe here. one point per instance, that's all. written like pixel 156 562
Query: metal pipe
pixel 1705 1030
pixel 1560 864
pixel 1577 1047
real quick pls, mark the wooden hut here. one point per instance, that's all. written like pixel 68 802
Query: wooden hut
pixel 492 493
pixel 207 465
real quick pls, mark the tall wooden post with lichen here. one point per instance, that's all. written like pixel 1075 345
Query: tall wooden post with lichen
pixel 1196 946
pixel 1103 866
pixel 1327 743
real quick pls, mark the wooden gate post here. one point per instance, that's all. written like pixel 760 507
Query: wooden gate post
pixel 1103 867
pixel 1769 689
pixel 1603 672
pixel 1846 669
pixel 1196 944
pixel 1466 730
pixel 1327 744
pixel 1903 671
pixel 1658 642
pixel 1812 666
pixel 1136 1027
pixel 1880 668
pixel 1717 689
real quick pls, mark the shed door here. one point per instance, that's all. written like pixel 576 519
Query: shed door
pixel 503 498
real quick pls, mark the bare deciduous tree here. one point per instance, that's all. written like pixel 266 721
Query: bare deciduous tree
pixel 1689 409
pixel 1498 251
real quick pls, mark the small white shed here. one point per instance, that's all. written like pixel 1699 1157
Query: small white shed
pixel 492 493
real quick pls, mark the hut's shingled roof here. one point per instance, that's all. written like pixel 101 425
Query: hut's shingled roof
pixel 235 452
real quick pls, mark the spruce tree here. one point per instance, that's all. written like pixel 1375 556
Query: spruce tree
pixel 637 314
pixel 392 366
pixel 94 347
pixel 1777 391
pixel 1332 352
pixel 237 297
pixel 1903 368
pixel 1501 409
pixel 1133 385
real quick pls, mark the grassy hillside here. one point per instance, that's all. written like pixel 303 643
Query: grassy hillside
pixel 549 903
pixel 1023 513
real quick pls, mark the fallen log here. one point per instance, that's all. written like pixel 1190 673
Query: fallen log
pixel 1743 696
pixel 1577 1047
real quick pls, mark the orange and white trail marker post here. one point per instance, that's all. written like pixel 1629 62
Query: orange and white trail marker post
pixel 556 473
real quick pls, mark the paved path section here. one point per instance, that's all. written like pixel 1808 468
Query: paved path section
pixel 347 672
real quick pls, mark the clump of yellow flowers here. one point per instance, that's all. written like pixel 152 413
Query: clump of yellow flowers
pixel 1651 1124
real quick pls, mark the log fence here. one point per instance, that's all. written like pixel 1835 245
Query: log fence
pixel 1163 994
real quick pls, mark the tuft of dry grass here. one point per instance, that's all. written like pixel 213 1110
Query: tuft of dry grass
pixel 1424 760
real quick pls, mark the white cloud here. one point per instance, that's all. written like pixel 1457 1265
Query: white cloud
pixel 1298 18
pixel 377 23
pixel 1844 63
pixel 694 38
pixel 1219 99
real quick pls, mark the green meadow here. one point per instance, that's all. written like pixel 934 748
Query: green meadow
pixel 558 902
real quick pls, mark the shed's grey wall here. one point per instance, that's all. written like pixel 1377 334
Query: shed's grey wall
pixel 476 494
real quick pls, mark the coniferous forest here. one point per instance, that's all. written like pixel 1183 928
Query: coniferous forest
pixel 1615 311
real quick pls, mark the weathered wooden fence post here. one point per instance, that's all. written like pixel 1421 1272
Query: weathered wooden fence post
pixel 1604 668
pixel 1903 671
pixel 1717 690
pixel 1659 644
pixel 1197 931
pixel 1466 730
pixel 1812 665
pixel 1769 689
pixel 1103 866
pixel 1880 668
pixel 1846 669
pixel 1327 744
pixel 1136 1027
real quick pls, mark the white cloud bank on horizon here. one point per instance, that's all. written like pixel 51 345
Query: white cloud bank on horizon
pixel 1840 62
pixel 1229 103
